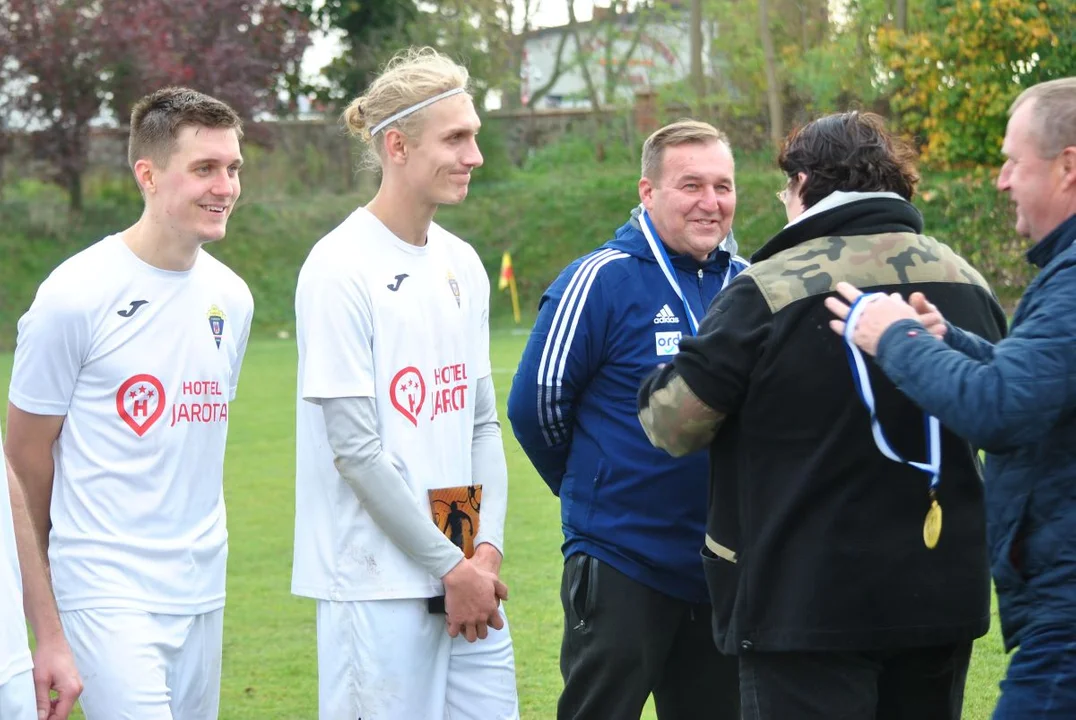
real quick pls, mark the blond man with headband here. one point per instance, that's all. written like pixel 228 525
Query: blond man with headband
pixel 401 481
pixel 125 366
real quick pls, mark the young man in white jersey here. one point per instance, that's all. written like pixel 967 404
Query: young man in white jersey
pixel 401 482
pixel 25 681
pixel 124 369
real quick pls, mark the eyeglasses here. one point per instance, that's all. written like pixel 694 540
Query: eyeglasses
pixel 782 194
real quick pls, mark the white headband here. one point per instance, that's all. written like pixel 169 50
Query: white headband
pixel 414 108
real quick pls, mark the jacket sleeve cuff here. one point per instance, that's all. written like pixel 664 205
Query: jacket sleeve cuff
pixel 897 339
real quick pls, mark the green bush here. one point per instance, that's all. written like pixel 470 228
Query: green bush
pixel 496 160
pixel 546 219
pixel 967 212
pixel 575 152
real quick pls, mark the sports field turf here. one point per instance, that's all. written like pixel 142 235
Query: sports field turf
pixel 270 670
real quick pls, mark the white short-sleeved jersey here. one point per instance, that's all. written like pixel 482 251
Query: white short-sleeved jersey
pixel 407 326
pixel 14 648
pixel 143 363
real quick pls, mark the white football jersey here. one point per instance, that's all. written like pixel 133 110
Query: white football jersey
pixel 408 326
pixel 143 363
pixel 14 648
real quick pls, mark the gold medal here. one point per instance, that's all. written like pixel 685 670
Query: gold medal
pixel 932 525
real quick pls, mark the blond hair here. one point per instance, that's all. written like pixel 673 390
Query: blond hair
pixel 157 118
pixel 1054 119
pixel 410 77
pixel 681 132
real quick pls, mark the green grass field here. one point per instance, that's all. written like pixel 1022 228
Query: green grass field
pixel 270 669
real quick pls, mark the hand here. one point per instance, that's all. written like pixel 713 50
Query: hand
pixel 489 559
pixel 875 319
pixel 54 669
pixel 929 315
pixel 472 599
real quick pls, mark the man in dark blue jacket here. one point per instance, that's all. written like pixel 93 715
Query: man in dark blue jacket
pixel 636 610
pixel 1016 399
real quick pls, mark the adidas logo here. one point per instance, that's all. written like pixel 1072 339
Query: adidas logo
pixel 665 315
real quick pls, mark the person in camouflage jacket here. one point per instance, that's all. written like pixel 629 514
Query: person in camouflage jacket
pixel 819 573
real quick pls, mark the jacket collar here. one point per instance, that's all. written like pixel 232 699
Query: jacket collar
pixel 869 216
pixel 1053 244
pixel 630 239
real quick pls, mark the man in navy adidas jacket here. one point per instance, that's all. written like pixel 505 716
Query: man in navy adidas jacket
pixel 636 608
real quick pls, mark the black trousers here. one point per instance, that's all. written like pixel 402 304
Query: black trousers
pixel 624 641
pixel 916 684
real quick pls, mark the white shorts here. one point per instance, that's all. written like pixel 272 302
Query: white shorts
pixel 146 666
pixel 393 660
pixel 18 701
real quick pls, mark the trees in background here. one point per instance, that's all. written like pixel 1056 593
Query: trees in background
pixel 944 70
pixel 370 31
pixel 484 35
pixel 235 50
pixel 64 62
pixel 953 75
pixel 53 52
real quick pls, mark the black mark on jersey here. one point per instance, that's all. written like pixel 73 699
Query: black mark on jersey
pixel 133 309
pixel 399 281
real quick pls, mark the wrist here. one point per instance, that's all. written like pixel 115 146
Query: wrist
pixel 449 577
pixel 487 546
pixel 903 328
pixel 50 638
pixel 488 558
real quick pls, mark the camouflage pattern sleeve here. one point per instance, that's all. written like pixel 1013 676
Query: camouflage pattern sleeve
pixel 673 417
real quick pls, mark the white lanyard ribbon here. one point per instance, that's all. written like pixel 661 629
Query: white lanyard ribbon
pixel 662 258
pixel 863 389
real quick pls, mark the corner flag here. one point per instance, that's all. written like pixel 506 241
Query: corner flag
pixel 508 280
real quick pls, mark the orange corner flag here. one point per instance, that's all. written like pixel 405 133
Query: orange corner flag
pixel 507 274
pixel 508 281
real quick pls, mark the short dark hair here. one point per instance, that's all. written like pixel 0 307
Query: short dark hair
pixel 157 119
pixel 849 151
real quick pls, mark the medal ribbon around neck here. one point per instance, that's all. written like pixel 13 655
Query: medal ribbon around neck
pixel 662 258
pixel 932 526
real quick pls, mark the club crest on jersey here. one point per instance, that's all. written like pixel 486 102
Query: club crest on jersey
pixel 453 286
pixel 216 322
pixel 140 402
pixel 408 393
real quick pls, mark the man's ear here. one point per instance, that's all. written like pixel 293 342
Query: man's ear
pixel 646 192
pixel 145 173
pixel 395 146
pixel 1068 167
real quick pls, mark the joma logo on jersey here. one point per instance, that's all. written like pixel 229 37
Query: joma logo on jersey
pixel 135 304
pixel 667 343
